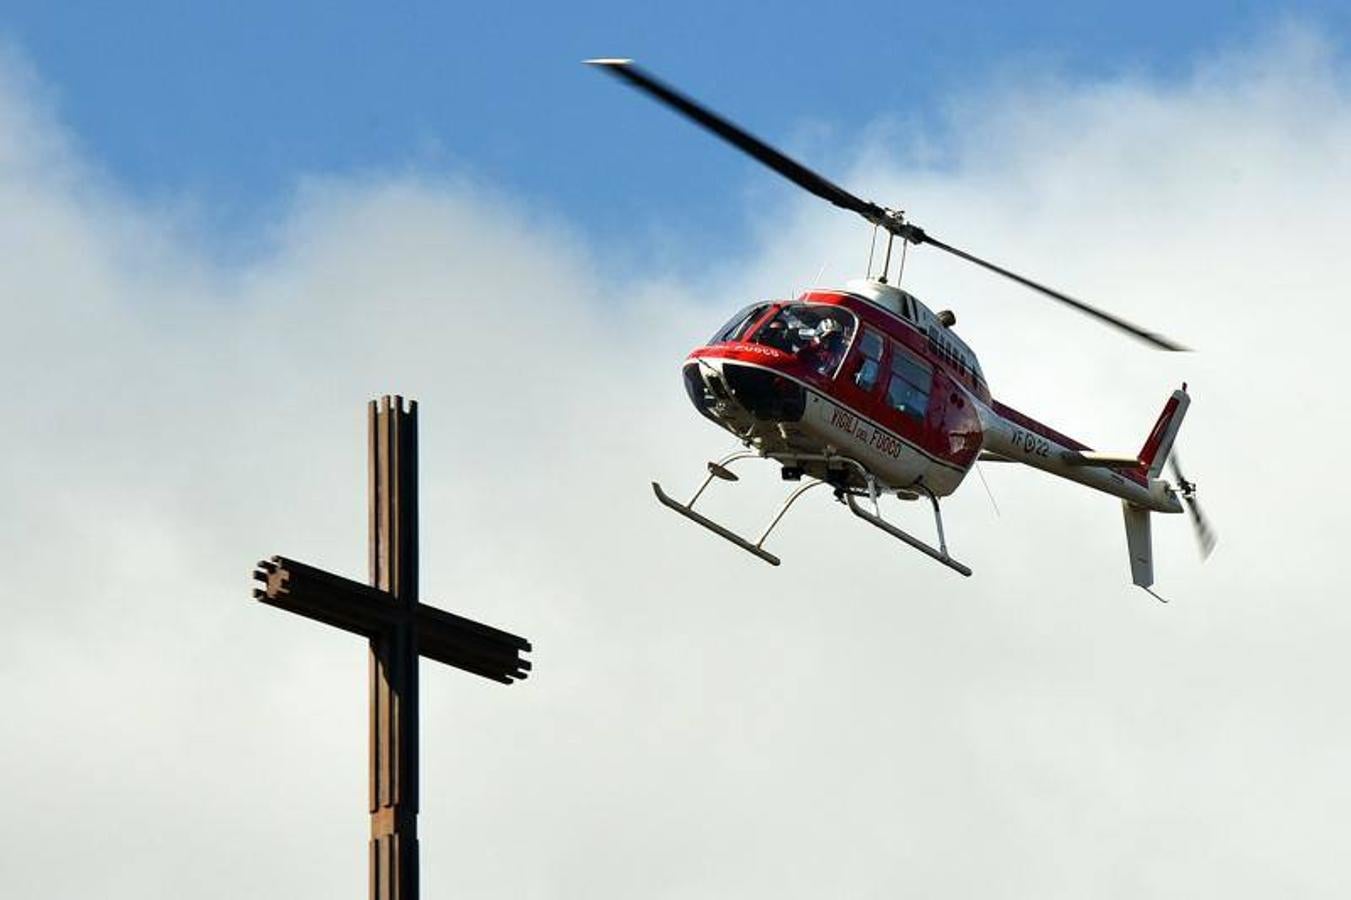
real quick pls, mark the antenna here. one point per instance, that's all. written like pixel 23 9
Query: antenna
pixel 989 493
pixel 819 274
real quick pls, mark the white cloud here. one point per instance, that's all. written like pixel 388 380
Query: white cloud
pixel 856 723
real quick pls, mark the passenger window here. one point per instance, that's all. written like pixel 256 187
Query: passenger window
pixel 870 345
pixel 908 391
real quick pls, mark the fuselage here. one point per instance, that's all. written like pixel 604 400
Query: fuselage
pixel 871 375
pixel 888 386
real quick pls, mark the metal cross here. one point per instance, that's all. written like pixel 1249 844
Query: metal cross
pixel 400 629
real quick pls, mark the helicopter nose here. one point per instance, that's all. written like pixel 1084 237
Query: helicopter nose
pixel 705 388
pixel 767 395
pixel 724 391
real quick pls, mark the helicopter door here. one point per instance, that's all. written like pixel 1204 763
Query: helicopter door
pixel 866 372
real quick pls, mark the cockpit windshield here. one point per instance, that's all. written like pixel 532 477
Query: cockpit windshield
pixel 817 334
pixel 745 318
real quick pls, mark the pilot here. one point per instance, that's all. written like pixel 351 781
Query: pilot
pixel 776 334
pixel 828 345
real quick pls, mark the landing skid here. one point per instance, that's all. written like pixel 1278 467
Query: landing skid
pixel 940 553
pixel 721 470
pixel 714 527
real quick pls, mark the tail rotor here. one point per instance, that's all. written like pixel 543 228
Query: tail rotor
pixel 1205 534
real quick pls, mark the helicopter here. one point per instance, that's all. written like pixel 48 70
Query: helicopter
pixel 868 391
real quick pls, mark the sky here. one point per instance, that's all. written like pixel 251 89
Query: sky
pixel 221 108
pixel 224 236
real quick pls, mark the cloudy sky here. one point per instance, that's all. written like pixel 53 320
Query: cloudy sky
pixel 206 276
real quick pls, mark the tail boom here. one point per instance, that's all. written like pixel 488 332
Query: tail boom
pixel 1009 434
pixel 1020 438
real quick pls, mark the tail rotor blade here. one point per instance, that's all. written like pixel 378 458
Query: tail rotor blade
pixel 1177 469
pixel 1205 534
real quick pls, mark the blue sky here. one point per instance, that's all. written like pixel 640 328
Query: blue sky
pixel 223 108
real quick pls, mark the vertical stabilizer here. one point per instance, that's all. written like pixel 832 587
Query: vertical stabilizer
pixel 1138 544
pixel 1160 441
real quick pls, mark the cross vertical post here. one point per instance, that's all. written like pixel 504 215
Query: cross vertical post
pixel 400 630
pixel 392 435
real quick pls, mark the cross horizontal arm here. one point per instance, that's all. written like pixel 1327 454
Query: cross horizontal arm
pixel 324 597
pixel 361 609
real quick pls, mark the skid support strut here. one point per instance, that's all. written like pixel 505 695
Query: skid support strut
pixel 939 553
pixel 719 470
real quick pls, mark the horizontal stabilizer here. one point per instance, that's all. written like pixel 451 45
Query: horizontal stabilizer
pixel 1098 460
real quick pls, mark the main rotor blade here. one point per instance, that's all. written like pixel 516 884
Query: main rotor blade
pixel 1152 338
pixel 805 178
pixel 743 140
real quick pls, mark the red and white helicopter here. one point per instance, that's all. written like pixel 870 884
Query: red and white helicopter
pixel 867 390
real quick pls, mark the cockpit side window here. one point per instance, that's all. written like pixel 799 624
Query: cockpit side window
pixel 737 325
pixel 818 335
